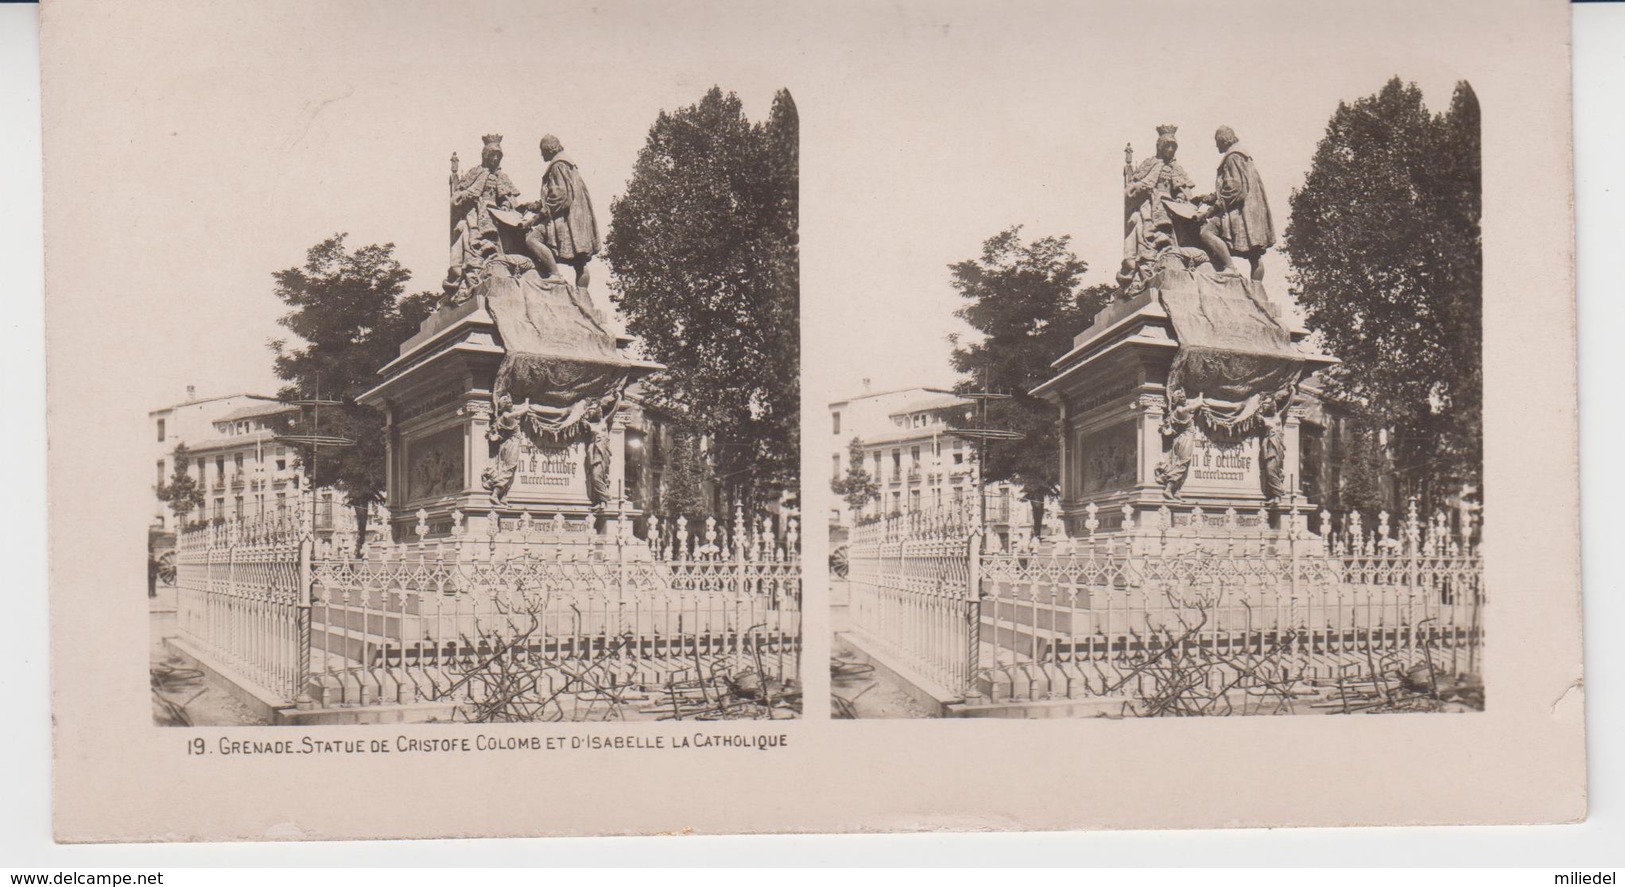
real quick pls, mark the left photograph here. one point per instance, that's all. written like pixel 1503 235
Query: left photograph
pixel 553 476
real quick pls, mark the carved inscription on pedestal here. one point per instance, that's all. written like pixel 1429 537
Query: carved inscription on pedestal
pixel 1223 468
pixel 548 466
pixel 552 471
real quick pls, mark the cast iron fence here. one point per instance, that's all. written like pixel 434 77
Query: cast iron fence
pixel 306 619
pixel 1222 604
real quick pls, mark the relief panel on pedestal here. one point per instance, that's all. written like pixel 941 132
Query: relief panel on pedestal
pixel 434 465
pixel 1105 460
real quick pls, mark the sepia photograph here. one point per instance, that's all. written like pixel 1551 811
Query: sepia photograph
pixel 1236 472
pixel 459 360
pixel 552 476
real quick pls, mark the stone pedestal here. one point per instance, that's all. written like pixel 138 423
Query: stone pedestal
pixel 1111 389
pixel 437 400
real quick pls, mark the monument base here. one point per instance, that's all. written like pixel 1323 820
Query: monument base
pixel 1143 447
pixel 439 399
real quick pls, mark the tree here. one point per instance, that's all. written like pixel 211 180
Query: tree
pixel 857 487
pixel 1388 265
pixel 1027 302
pixel 183 493
pixel 682 491
pixel 349 311
pixel 703 253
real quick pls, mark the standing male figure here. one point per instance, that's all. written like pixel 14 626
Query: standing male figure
pixel 565 230
pixel 1236 214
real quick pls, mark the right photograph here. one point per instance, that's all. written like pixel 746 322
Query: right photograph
pixel 1234 468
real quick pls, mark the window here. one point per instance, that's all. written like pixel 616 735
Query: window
pixel 914 456
pixel 835 467
pixel 160 472
pixel 239 506
pixel 220 469
pixel 160 431
pixel 896 464
pixel 282 464
pixel 959 458
pixel 835 417
pixel 238 459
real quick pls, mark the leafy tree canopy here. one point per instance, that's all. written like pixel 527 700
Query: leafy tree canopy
pixel 1027 301
pixel 682 491
pixel 1388 265
pixel 349 311
pixel 704 257
pixel 856 486
pixel 182 491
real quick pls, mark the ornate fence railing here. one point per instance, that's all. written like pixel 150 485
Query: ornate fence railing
pixel 912 580
pixel 1202 604
pixel 549 602
pixel 239 596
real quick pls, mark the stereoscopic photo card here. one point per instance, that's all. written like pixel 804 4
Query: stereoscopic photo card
pixel 582 419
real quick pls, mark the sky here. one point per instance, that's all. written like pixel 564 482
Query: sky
pixel 250 135
pixel 222 143
pixel 993 140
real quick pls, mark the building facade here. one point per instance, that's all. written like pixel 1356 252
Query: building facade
pixel 233 454
pixel 914 459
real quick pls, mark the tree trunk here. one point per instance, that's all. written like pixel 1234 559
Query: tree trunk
pixel 1038 517
pixel 362 515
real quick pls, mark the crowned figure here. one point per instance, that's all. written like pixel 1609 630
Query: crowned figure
pixel 1148 226
pixel 474 237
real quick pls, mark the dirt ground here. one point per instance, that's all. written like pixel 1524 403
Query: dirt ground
pixel 869 697
pixel 183 696
pixel 855 684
